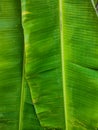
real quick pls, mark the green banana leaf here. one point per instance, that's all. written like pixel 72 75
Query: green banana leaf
pixel 16 108
pixel 48 65
pixel 81 65
pixel 11 60
pixel 43 60
pixel 31 94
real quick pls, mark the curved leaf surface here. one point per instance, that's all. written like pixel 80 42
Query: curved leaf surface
pixel 81 45
pixel 49 73
pixel 43 60
pixel 16 108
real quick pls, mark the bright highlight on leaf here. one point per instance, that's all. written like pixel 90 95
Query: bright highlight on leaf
pixel 95 5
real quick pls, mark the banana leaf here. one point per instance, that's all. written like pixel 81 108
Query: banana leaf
pixel 31 94
pixel 11 60
pixel 16 108
pixel 81 65
pixel 48 65
pixel 40 21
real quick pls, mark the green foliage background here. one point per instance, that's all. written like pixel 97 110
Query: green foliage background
pixel 48 65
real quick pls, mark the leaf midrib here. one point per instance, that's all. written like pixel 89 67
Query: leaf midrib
pixel 22 87
pixel 61 18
